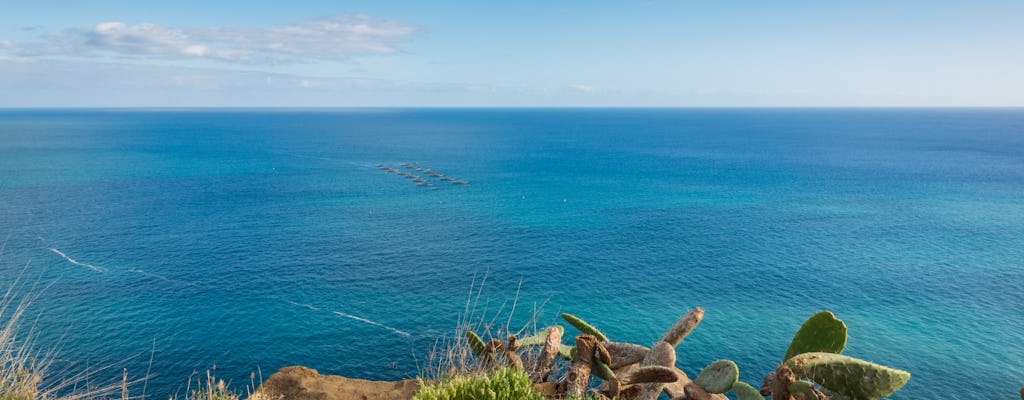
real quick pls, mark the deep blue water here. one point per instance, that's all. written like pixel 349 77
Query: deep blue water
pixel 212 229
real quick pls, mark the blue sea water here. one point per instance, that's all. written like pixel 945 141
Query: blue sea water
pixel 257 239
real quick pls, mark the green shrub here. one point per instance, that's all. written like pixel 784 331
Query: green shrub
pixel 502 384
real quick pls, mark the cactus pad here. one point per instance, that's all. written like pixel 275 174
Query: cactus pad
pixel 624 354
pixel 584 327
pixel 718 377
pixel 601 370
pixel 476 344
pixel 743 391
pixel 802 390
pixel 568 352
pixel 822 332
pixel 849 376
pixel 650 375
pixel 540 337
pixel 683 327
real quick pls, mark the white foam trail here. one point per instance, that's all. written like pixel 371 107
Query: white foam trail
pixel 374 323
pixel 72 260
pixel 303 305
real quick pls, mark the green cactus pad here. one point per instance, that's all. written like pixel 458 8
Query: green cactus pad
pixel 650 374
pixel 476 344
pixel 540 337
pixel 822 332
pixel 568 352
pixel 718 377
pixel 743 391
pixel 601 370
pixel 802 390
pixel 584 327
pixel 849 376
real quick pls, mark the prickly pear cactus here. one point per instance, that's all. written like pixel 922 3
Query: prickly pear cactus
pixel 601 370
pixel 650 374
pixel 624 354
pixel 540 337
pixel 802 390
pixel 568 352
pixel 718 377
pixel 584 327
pixel 744 391
pixel 849 376
pixel 476 344
pixel 822 332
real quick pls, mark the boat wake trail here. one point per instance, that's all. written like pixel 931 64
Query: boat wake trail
pixel 374 323
pixel 72 260
pixel 302 305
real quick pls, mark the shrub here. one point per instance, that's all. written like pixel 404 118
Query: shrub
pixel 501 384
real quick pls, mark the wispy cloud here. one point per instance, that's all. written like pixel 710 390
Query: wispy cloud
pixel 327 38
pixel 33 82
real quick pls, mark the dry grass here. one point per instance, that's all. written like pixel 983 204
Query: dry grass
pixel 451 356
pixel 212 388
pixel 23 368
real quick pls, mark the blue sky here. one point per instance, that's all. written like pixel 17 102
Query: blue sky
pixel 299 53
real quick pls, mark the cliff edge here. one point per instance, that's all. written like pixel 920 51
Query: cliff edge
pixel 301 383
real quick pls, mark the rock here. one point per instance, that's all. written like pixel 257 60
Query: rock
pixel 301 383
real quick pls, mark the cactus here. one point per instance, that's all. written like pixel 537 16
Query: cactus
pixel 568 352
pixel 718 377
pixel 584 327
pixel 822 332
pixel 476 344
pixel 662 354
pixel 849 376
pixel 540 337
pixel 744 391
pixel 601 370
pixel 802 390
pixel 651 374
pixel 624 354
pixel 683 327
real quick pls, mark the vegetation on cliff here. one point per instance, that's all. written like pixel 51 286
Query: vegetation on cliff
pixel 812 368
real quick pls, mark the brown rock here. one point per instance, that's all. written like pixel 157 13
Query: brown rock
pixel 301 383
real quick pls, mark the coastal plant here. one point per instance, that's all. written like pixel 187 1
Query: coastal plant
pixel 23 367
pixel 501 384
pixel 814 354
pixel 812 368
pixel 211 388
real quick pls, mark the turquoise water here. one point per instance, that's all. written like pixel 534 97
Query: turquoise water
pixel 256 239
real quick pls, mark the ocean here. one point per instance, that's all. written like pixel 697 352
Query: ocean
pixel 173 241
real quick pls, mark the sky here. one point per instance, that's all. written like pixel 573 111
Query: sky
pixel 562 53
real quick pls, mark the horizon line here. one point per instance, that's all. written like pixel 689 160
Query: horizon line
pixel 327 108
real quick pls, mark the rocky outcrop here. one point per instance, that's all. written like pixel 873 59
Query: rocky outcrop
pixel 301 383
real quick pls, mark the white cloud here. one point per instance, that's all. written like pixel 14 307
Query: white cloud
pixel 331 38
pixel 6 44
